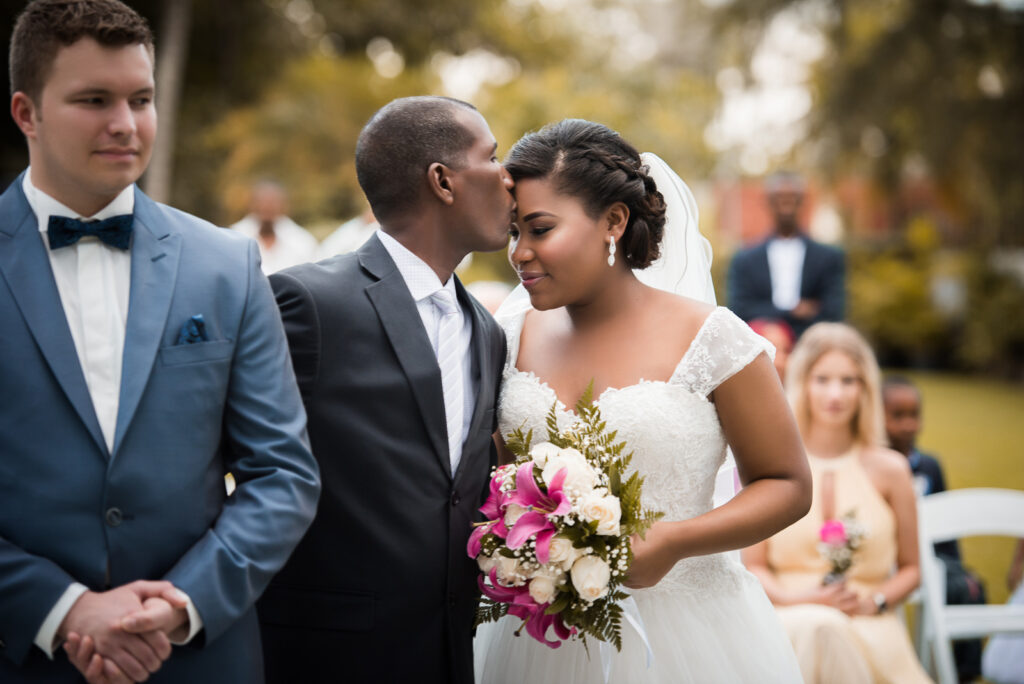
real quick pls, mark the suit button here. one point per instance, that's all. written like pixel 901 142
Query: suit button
pixel 113 516
pixel 455 499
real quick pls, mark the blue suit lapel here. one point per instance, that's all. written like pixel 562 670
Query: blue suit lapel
pixel 155 252
pixel 25 266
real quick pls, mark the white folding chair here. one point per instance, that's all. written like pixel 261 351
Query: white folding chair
pixel 952 515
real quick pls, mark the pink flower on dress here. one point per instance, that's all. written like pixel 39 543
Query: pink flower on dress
pixel 833 533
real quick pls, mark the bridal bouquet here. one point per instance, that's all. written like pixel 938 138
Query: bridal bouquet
pixel 839 539
pixel 555 548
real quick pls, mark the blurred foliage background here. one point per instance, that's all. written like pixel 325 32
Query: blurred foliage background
pixel 907 118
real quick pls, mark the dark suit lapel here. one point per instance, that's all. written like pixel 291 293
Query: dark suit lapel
pixel 25 266
pixel 155 251
pixel 480 368
pixel 764 269
pixel 807 274
pixel 402 323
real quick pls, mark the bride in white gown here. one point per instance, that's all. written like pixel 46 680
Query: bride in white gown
pixel 678 378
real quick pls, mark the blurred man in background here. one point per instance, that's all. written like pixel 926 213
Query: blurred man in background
pixel 789 276
pixel 282 241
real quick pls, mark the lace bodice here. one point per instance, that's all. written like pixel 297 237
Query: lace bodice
pixel 671 426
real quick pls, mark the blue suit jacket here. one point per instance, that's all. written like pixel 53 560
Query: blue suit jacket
pixel 822 278
pixel 155 507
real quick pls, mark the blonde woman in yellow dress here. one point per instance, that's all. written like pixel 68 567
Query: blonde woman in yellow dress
pixel 846 631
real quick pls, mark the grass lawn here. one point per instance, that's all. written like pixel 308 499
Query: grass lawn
pixel 975 427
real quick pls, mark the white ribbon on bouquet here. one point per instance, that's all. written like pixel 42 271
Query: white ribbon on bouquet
pixel 631 612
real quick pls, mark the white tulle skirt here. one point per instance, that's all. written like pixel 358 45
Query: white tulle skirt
pixel 722 631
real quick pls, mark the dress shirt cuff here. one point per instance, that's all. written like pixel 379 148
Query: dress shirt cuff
pixel 195 623
pixel 47 634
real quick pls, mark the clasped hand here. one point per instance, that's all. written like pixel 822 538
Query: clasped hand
pixel 123 635
pixel 839 596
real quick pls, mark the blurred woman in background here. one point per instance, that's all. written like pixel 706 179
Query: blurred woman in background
pixel 841 621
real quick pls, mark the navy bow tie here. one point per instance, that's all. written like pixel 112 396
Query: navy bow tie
pixel 116 231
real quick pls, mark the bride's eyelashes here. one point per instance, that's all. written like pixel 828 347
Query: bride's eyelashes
pixel 535 231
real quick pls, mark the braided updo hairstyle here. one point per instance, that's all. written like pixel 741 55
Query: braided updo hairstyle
pixel 594 164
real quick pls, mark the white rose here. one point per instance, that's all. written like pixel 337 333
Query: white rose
pixel 510 573
pixel 590 576
pixel 606 511
pixel 486 563
pixel 562 553
pixel 513 512
pixel 580 477
pixel 542 452
pixel 543 589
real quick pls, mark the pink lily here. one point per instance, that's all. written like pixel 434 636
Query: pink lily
pixel 495 527
pixel 528 495
pixel 478 533
pixel 496 499
pixel 502 594
pixel 521 605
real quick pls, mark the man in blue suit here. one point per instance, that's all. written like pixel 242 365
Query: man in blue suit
pixel 789 276
pixel 142 358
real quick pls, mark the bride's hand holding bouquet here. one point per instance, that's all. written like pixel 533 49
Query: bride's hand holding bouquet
pixel 653 556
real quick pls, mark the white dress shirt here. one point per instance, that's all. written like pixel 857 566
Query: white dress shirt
pixel 93 281
pixel 423 282
pixel 293 244
pixel 786 266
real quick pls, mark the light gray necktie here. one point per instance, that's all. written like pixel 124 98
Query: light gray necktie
pixel 450 363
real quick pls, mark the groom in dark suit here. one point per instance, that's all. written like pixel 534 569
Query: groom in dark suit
pixel 141 358
pixel 788 277
pixel 399 370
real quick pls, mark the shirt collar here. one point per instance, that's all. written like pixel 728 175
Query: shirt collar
pixel 792 242
pixel 421 280
pixel 44 206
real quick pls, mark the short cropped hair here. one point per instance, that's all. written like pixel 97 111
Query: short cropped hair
pixel 45 26
pixel 818 340
pixel 400 142
pixel 785 181
pixel 893 381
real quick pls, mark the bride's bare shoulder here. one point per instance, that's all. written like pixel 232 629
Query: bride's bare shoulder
pixel 681 316
pixel 691 313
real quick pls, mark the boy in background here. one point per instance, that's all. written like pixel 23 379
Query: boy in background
pixel 902 401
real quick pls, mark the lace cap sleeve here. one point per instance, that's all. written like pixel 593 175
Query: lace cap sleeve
pixel 724 346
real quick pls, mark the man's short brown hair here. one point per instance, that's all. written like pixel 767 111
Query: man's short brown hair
pixel 45 26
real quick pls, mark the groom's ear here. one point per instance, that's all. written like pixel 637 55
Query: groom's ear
pixel 440 181
pixel 616 218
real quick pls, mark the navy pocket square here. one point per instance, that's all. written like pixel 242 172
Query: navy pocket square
pixel 193 331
